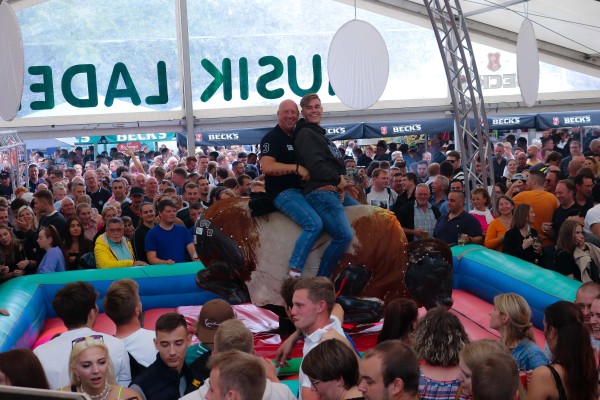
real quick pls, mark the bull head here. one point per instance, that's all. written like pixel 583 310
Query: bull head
pixel 429 275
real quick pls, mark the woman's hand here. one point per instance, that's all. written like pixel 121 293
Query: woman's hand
pixel 527 242
pixel 20 224
pixel 23 264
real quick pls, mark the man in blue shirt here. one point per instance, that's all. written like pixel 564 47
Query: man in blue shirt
pixel 457 223
pixel 167 242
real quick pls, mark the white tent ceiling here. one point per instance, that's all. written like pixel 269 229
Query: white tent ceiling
pixel 567 32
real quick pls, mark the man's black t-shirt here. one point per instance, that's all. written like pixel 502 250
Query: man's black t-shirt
pixel 99 198
pixel 277 144
pixel 57 220
pixel 561 214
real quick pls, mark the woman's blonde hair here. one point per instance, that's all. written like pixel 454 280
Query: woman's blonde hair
pixel 517 310
pixel 82 345
pixel 34 222
pixel 476 351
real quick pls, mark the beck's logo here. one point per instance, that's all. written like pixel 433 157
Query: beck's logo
pixel 494 62
pixel 556 121
pixel 384 130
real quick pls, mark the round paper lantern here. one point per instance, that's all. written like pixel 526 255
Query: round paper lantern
pixel 12 63
pixel 528 63
pixel 358 64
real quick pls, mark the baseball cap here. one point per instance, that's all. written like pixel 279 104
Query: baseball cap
pixel 136 190
pixel 518 177
pixel 213 312
pixel 242 154
pixel 4 175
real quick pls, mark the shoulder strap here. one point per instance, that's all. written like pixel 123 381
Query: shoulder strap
pixel 559 386
pixel 458 393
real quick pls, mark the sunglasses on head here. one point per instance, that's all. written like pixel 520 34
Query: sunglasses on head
pixel 83 338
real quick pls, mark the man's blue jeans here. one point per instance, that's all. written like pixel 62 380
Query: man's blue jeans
pixel 292 203
pixel 329 207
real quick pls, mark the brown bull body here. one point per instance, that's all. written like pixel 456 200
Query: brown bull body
pixel 266 244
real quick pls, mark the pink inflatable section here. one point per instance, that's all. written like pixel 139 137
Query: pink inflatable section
pixel 472 311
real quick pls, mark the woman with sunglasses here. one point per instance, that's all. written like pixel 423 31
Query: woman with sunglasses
pixel 91 371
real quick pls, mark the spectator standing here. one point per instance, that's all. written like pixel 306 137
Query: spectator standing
pixel 167 242
pixel 112 249
pixel 458 224
pixel 521 240
pixel 76 306
pixel 511 317
pixel 54 260
pixel 494 238
pixel 168 377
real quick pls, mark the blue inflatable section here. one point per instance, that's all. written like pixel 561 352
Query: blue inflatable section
pixel 486 273
pixel 29 298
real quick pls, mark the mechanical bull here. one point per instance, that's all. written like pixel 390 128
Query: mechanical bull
pixel 239 249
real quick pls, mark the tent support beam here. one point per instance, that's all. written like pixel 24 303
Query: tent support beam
pixel 458 57
pixel 183 42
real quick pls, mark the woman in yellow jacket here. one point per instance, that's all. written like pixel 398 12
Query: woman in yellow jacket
pixel 112 249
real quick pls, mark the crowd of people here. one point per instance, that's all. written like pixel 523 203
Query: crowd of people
pixel 117 209
pixel 428 358
pixel 112 210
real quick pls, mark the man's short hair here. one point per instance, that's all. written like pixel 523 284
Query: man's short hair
pixel 496 377
pixel 240 179
pixel 445 182
pixel 230 183
pixel 307 98
pixel 319 288
pixel 538 177
pixel 73 303
pixel 114 220
pixel 190 159
pixel 411 176
pixel 287 291
pixel 232 334
pixel 454 154
pixel 581 176
pixel 378 171
pixel 181 172
pixel 397 361
pixel 189 185
pixel 222 172
pixel 120 301
pixel 44 195
pixel 241 372
pixel 330 360
pixel 121 180
pixel 461 195
pixel 459 181
pixel 554 156
pixel 169 322
pixel 164 203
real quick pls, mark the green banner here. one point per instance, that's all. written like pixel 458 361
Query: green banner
pixel 116 139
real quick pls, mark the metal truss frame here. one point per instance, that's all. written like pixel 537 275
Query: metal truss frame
pixel 471 129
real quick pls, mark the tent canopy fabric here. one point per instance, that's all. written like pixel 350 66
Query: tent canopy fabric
pixel 567 34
